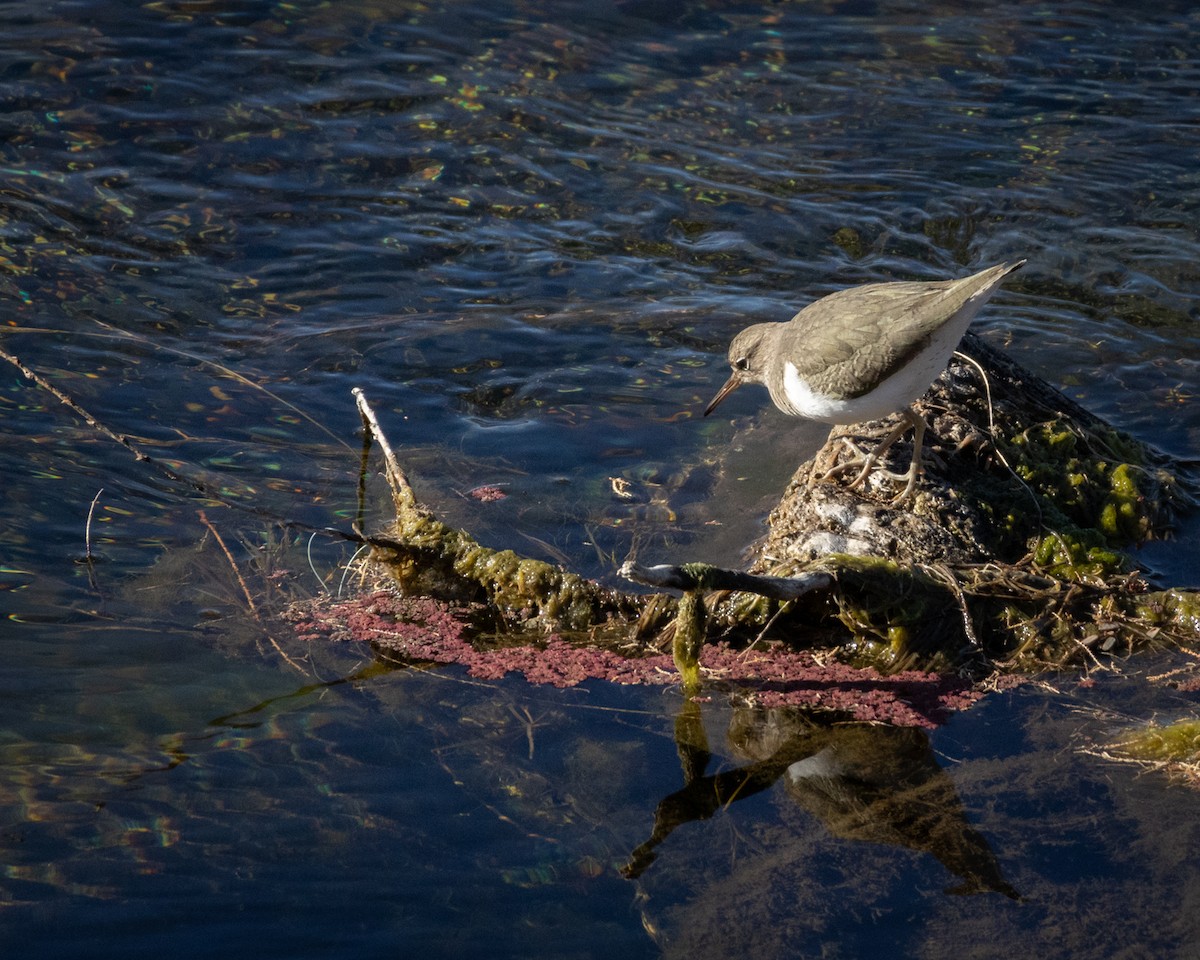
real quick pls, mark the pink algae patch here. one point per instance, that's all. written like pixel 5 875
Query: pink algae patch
pixel 486 493
pixel 421 629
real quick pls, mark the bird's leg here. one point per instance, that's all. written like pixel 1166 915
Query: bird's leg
pixel 865 463
pixel 914 468
pixel 859 460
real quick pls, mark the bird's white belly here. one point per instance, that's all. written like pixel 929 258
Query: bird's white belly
pixel 893 394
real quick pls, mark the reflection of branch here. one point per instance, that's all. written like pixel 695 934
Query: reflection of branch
pixel 250 604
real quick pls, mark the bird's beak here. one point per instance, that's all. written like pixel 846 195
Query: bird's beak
pixel 730 385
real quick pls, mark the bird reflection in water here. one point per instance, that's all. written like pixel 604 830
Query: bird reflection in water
pixel 866 782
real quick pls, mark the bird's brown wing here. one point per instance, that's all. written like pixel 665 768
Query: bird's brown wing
pixel 847 342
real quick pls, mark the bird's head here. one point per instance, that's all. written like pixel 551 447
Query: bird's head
pixel 747 361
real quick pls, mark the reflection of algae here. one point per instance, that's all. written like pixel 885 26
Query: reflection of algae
pixel 1178 742
pixel 689 639
pixel 1173 748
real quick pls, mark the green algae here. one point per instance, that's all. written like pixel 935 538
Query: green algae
pixel 1081 474
pixel 892 616
pixel 1170 748
pixel 1095 493
pixel 1170 609
pixel 1122 518
pixel 899 617
pixel 1074 553
pixel 424 555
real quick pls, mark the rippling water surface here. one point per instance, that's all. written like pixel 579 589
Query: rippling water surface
pixel 527 231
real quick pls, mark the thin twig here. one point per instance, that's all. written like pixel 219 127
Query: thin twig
pixel 943 573
pixel 312 565
pixel 783 607
pixel 991 412
pixel 232 563
pixel 1037 505
pixel 88 556
pixel 80 411
pixel 341 590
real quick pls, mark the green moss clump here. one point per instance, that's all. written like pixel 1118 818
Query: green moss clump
pixel 1094 483
pixel 900 618
pixel 1094 495
pixel 1170 609
pixel 434 559
pixel 1076 554
pixel 1122 518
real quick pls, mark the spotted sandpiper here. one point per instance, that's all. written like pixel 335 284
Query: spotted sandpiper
pixel 863 353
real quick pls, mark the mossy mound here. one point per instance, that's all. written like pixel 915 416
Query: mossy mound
pixel 1014 549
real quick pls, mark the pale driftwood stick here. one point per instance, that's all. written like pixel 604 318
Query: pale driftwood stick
pixel 700 576
pixel 402 491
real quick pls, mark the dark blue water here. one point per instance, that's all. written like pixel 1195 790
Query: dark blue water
pixel 527 231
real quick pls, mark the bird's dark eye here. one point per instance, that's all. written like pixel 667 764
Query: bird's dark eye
pixel 741 363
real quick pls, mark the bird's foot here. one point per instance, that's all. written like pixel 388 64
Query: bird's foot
pixel 910 486
pixel 860 461
pixel 866 463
